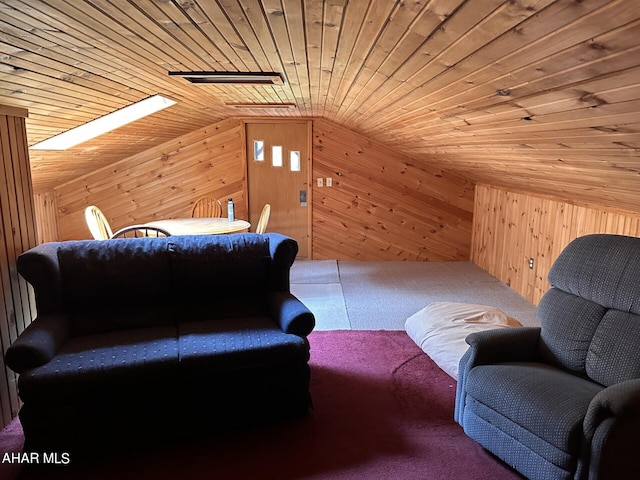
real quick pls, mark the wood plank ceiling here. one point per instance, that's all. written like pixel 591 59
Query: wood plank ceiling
pixel 541 95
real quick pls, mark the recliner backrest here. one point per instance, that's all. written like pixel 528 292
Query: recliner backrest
pixel 590 317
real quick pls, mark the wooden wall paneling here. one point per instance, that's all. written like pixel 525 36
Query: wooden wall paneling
pixel 46 214
pixel 382 205
pixel 397 209
pixel 543 233
pixel 632 226
pixel 17 234
pixel 510 227
pixel 515 234
pixel 8 327
pixel 161 182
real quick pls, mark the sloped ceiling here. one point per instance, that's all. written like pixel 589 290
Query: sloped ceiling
pixel 541 95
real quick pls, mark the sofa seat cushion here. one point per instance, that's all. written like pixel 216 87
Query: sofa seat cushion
pixel 105 362
pixel 539 406
pixel 98 321
pixel 223 345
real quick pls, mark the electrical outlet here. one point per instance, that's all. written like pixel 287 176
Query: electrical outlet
pixel 329 182
pixel 531 263
pixel 320 182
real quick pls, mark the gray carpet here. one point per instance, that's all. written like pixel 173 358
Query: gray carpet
pixel 317 284
pixel 382 295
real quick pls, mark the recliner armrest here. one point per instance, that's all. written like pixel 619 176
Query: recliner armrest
pixel 621 400
pixel 611 427
pixel 38 343
pixel 291 314
pixel 504 345
pixel 518 344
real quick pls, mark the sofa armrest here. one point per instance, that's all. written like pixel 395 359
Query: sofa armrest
pixel 38 343
pixel 611 428
pixel 291 314
pixel 283 252
pixel 41 268
pixel 518 344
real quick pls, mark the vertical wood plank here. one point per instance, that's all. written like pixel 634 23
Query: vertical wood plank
pixel 46 217
pixel 17 234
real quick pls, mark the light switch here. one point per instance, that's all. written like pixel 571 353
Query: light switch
pixel 320 182
pixel 329 182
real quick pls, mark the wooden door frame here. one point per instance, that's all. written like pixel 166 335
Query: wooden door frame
pixel 267 120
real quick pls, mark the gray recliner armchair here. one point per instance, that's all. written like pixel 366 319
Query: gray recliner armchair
pixel 563 401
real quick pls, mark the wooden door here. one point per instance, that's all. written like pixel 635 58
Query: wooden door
pixel 278 169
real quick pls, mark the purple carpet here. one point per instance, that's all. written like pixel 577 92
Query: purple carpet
pixel 382 410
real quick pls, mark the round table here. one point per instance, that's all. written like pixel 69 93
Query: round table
pixel 200 226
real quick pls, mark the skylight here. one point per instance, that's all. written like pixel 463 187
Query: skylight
pixel 104 124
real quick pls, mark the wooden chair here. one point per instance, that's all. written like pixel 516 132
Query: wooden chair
pixel 206 206
pixel 140 231
pixel 97 223
pixel 264 219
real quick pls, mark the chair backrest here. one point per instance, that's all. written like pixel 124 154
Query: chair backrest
pixel 97 223
pixel 140 231
pixel 264 219
pixel 590 317
pixel 206 206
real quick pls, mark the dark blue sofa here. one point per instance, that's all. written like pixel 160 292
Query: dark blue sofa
pixel 159 338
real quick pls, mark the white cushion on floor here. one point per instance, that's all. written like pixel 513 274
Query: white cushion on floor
pixel 440 328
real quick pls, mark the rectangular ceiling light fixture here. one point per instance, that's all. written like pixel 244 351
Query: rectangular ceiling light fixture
pixel 104 124
pixel 260 105
pixel 232 78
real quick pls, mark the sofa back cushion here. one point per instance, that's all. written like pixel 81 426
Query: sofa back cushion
pixel 594 306
pixel 134 283
pixel 228 277
pixel 115 284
